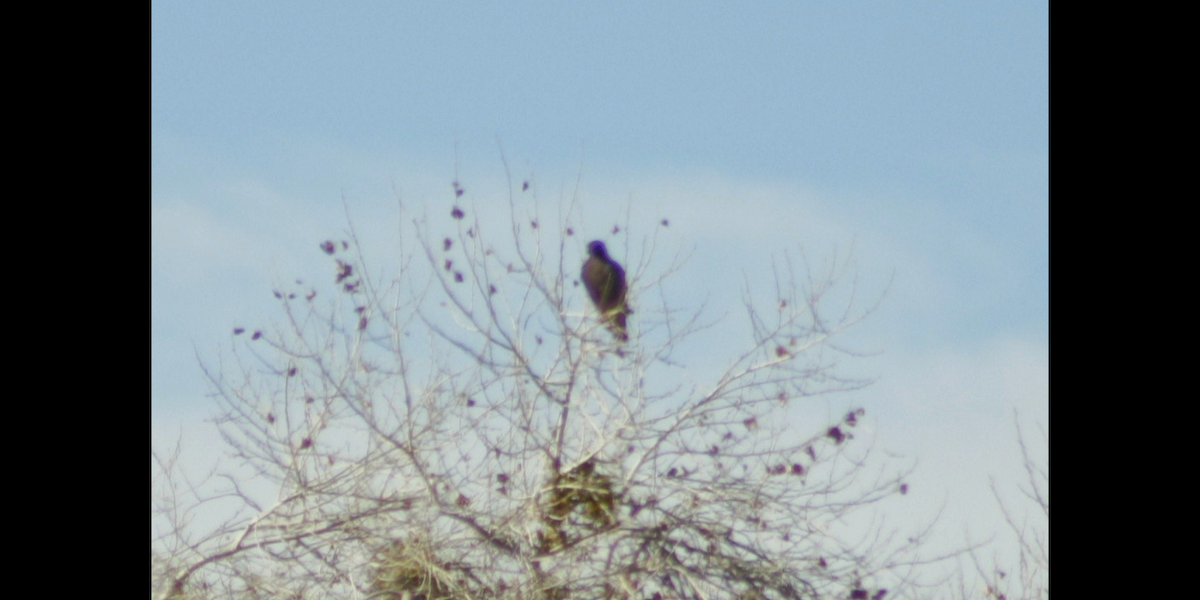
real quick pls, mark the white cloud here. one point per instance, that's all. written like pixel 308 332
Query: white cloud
pixel 952 410
pixel 181 230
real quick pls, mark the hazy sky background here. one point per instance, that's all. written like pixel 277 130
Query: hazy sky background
pixel 916 133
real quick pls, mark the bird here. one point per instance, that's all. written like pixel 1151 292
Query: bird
pixel 605 283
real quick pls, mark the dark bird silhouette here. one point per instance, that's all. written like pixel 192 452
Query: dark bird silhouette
pixel 605 283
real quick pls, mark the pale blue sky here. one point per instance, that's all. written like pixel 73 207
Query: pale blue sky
pixel 916 131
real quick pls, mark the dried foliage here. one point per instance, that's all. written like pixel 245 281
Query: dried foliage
pixel 476 432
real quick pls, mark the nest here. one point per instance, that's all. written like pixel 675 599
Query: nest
pixel 579 501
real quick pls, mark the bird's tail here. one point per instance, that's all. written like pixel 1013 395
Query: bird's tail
pixel 616 323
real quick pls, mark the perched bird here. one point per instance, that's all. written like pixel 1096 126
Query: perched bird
pixel 605 283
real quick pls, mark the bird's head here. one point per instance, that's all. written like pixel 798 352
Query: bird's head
pixel 596 248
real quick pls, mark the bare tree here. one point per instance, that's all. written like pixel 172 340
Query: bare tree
pixel 1026 574
pixel 468 427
